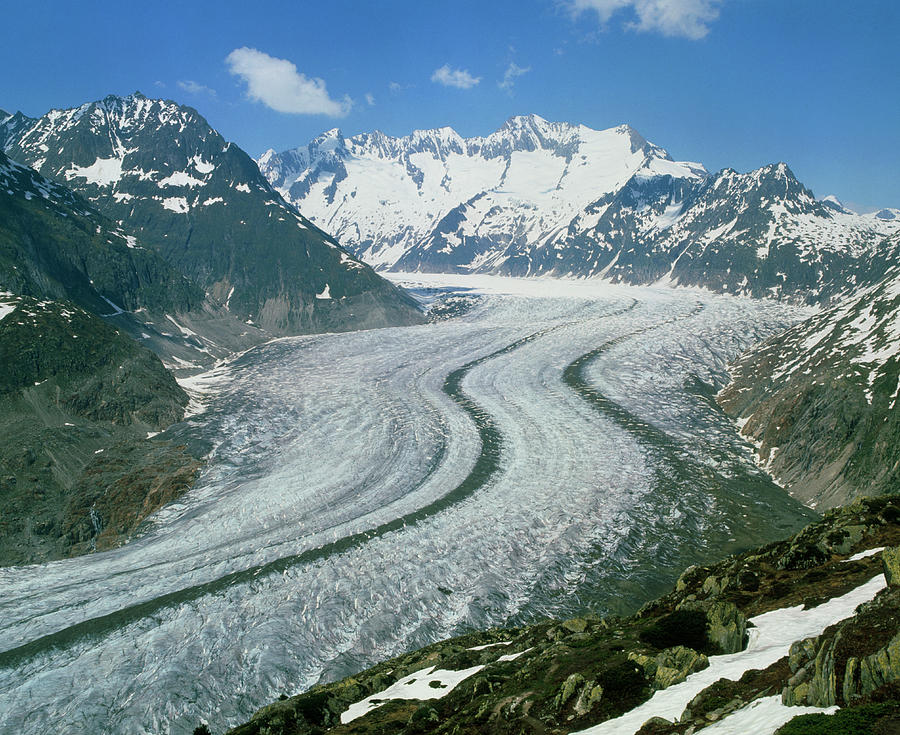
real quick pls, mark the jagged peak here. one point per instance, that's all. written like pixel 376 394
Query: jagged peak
pixel 523 121
pixel 832 202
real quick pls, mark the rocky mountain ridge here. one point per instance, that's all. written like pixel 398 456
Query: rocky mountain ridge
pixel 820 400
pixel 542 198
pixel 164 175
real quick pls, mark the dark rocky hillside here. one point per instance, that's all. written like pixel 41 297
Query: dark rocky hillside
pixel 54 245
pixel 77 402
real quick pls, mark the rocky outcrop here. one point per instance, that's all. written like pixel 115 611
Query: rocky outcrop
pixel 726 626
pixel 672 666
pixel 850 660
pixel 890 558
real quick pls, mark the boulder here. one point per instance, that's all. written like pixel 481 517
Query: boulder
pixel 567 690
pixel 590 694
pixel 727 626
pixel 671 666
pixel 890 559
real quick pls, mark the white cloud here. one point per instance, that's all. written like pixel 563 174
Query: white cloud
pixel 370 99
pixel 677 18
pixel 459 78
pixel 196 88
pixel 278 85
pixel 513 72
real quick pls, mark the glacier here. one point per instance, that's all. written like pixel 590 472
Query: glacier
pixel 552 450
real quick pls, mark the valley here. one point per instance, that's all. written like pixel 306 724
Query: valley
pixel 552 450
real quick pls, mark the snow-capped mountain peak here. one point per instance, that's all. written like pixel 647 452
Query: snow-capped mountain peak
pixel 162 172
pixel 435 189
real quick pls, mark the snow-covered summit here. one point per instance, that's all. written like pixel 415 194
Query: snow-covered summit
pixel 384 195
pixel 540 197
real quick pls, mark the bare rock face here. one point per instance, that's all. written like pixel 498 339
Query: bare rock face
pixel 890 558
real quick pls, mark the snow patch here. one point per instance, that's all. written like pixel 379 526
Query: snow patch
pixel 102 172
pixel 180 178
pixel 178 205
pixel 427 683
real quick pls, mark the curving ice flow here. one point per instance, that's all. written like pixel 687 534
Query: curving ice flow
pixel 548 452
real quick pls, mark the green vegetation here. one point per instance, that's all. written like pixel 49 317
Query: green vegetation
pixel 871 719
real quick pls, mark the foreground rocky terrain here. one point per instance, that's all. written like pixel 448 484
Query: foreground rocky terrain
pixel 565 676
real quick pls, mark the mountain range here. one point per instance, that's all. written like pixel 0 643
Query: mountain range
pixel 548 198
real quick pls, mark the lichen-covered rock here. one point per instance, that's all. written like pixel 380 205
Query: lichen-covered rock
pixel 863 676
pixel 568 689
pixel 843 539
pixel 890 558
pixel 802 652
pixel 590 694
pixel 727 626
pixel 802 555
pixel 672 666
pixel 575 625
pixel 714 585
pixel 823 682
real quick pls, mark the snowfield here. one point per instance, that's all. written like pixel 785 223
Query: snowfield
pixel 372 492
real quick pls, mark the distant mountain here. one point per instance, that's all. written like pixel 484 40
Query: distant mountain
pixel 164 175
pixel 821 400
pixel 538 197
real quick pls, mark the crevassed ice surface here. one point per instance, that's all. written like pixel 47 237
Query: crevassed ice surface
pixel 372 492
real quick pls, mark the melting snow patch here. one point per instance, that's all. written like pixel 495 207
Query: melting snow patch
pixel 771 639
pixel 180 178
pixel 864 554
pixel 103 171
pixel 7 308
pixel 489 645
pixel 425 684
pixel 326 293
pixel 176 204
pixel 762 717
pixel 202 167
pixel 513 656
pixel 243 187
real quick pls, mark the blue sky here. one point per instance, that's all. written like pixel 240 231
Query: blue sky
pixel 737 83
